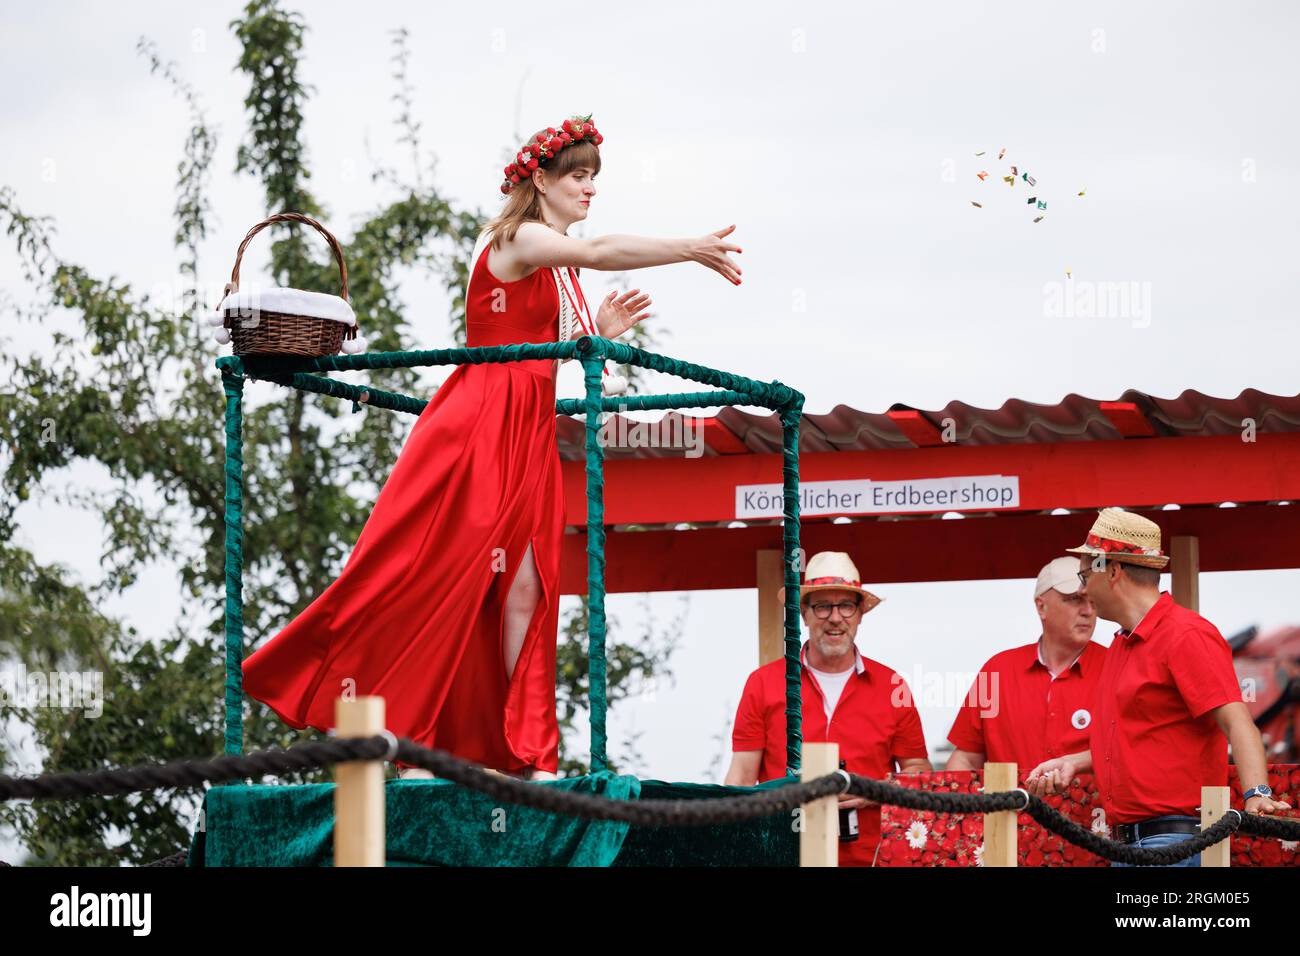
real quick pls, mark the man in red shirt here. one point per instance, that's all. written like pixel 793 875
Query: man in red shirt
pixel 1168 701
pixel 1032 703
pixel 862 705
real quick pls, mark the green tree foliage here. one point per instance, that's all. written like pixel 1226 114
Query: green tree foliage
pixel 632 668
pixel 136 394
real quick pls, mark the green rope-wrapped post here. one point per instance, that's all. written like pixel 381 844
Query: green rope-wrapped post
pixel 593 363
pixel 793 562
pixel 233 383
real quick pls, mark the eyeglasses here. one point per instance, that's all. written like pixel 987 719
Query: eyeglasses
pixel 823 611
pixel 1084 575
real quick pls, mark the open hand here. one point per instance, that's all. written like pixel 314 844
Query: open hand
pixel 711 251
pixel 1050 776
pixel 1258 804
pixel 617 315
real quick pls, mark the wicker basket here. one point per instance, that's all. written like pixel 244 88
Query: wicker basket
pixel 258 331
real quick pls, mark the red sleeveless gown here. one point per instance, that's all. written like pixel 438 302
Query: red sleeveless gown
pixel 416 614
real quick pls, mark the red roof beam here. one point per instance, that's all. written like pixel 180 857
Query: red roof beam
pixel 1251 537
pixel 1076 475
pixel 717 436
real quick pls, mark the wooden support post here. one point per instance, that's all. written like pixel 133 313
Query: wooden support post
pixel 1000 828
pixel 359 788
pixel 1215 802
pixel 769 576
pixel 1185 569
pixel 819 841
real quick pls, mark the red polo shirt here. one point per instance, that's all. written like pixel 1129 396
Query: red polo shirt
pixel 1154 742
pixel 1017 712
pixel 875 722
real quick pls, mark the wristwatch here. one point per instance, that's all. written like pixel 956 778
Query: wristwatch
pixel 1263 790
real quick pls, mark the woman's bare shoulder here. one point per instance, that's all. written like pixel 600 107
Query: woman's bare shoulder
pixel 503 260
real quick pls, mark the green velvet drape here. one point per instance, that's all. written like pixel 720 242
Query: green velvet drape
pixel 436 823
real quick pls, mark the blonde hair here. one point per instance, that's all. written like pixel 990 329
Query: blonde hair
pixel 524 202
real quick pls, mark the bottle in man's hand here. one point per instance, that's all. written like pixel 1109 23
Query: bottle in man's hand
pixel 848 821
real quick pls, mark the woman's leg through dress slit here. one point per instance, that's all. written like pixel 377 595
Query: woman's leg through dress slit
pixel 521 602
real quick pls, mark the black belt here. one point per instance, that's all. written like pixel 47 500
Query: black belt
pixel 1132 832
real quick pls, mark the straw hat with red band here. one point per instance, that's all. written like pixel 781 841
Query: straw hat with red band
pixel 1120 535
pixel 834 571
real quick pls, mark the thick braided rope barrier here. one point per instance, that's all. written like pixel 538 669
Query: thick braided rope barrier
pixel 650 813
pixel 310 755
pixel 1221 829
pixel 176 859
pixel 320 754
pixel 1050 819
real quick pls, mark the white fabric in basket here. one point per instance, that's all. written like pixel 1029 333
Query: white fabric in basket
pixel 317 305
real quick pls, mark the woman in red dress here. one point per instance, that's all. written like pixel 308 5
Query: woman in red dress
pixel 448 605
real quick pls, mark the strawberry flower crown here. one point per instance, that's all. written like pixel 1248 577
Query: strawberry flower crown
pixel 545 146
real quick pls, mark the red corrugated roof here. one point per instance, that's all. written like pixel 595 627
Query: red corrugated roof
pixel 1074 418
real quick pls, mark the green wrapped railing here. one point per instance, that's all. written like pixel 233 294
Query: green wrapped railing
pixel 592 351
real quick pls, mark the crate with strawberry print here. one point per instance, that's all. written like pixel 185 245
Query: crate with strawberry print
pixel 1249 850
pixel 925 838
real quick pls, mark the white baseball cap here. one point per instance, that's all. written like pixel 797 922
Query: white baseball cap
pixel 1061 573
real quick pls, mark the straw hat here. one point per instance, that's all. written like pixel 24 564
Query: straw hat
pixel 834 570
pixel 1120 535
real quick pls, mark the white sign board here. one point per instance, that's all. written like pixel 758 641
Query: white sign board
pixel 865 497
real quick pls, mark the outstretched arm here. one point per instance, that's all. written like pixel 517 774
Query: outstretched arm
pixel 1247 753
pixel 538 245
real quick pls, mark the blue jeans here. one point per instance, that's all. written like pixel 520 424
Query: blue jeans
pixel 1165 839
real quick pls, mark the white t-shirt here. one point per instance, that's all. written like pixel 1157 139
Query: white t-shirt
pixel 832 686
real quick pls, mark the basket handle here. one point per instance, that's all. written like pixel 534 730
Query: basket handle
pixel 233 285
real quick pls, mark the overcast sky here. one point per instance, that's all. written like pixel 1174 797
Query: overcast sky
pixel 841 140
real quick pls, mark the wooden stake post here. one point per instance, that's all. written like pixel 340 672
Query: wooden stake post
pixel 1214 804
pixel 359 788
pixel 1000 828
pixel 819 840
pixel 1185 570
pixel 769 574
